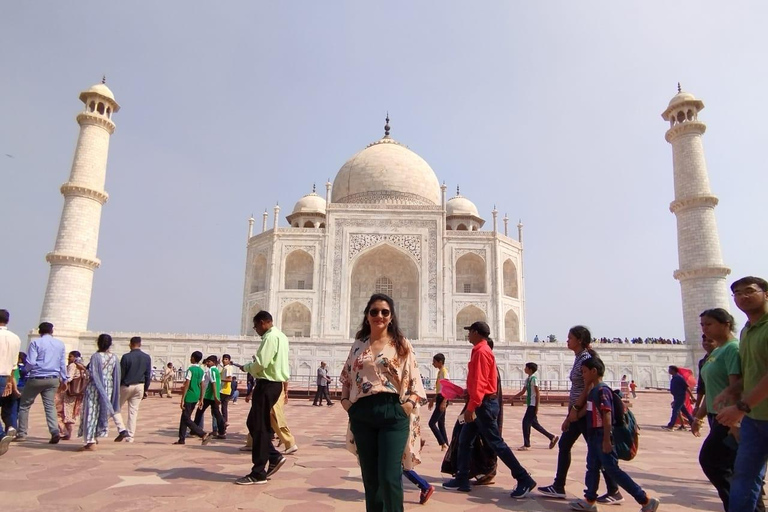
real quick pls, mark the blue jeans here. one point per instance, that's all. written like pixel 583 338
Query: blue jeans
pixel 609 462
pixel 678 406
pixel 486 424
pixel 416 479
pixel 749 468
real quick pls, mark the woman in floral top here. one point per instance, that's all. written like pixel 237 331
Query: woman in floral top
pixel 381 392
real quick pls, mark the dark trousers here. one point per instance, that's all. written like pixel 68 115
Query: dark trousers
pixel 437 422
pixel 322 392
pixel 567 440
pixel 530 420
pixel 225 407
pixel 265 395
pixel 486 424
pixel 678 406
pixel 609 463
pixel 219 424
pixel 380 427
pixel 186 422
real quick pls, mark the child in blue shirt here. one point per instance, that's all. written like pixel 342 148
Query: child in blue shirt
pixel 600 450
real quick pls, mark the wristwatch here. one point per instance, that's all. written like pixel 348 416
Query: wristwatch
pixel 743 407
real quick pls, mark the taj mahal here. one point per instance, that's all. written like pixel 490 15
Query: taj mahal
pixel 386 224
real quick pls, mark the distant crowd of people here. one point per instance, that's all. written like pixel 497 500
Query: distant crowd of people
pixel 382 393
pixel 638 341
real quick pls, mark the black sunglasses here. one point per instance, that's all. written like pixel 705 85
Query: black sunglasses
pixel 375 312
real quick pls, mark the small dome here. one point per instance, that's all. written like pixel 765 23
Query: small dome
pixel 386 172
pixel 460 206
pixel 101 89
pixel 310 203
pixel 681 97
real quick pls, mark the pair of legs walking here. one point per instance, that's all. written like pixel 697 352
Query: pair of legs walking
pixel 322 393
pixel 530 420
pixel 486 424
pixel 219 424
pixel 46 387
pixel 132 395
pixel 678 407
pixel 186 422
pixel 597 459
pixel 265 395
pixel 437 422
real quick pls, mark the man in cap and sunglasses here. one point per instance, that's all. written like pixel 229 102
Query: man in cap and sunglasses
pixel 481 416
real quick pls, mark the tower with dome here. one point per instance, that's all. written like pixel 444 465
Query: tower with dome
pixel 385 226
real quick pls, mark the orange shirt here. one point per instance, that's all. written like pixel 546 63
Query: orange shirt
pixel 481 377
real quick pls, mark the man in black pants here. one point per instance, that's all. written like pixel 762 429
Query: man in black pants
pixel 270 368
pixel 322 386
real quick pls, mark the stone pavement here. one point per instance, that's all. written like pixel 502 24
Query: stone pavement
pixel 151 474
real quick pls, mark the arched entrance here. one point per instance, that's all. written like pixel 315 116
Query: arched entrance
pixel 467 317
pixel 299 270
pixel 380 269
pixel 511 326
pixel 296 320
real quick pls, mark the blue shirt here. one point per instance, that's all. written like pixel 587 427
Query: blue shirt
pixel 46 357
pixel 678 387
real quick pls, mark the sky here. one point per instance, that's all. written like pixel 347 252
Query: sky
pixel 548 110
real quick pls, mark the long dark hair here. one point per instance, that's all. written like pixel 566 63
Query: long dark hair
pixel 104 341
pixel 582 334
pixel 393 329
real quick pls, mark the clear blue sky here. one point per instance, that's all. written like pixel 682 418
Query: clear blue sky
pixel 550 110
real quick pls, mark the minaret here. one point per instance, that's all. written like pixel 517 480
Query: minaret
pixel 701 273
pixel 67 299
pixel 494 212
pixel 250 226
pixel 277 217
pixel 265 216
pixel 506 225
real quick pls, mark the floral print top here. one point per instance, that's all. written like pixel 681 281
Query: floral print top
pixel 366 373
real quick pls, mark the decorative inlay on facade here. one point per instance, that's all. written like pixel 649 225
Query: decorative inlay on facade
pixel 373 206
pixel 307 301
pixel 73 189
pixel 461 304
pixel 461 252
pixel 358 242
pixel 718 271
pixel 481 234
pixel 317 231
pixel 680 205
pixel 386 197
pixel 385 224
pixel 309 249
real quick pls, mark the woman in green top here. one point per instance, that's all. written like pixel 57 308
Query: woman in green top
pixel 722 368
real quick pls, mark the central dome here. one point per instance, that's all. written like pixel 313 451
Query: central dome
pixel 386 172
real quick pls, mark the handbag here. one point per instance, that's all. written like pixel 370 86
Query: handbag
pixel 76 387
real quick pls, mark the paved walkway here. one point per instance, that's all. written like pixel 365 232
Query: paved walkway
pixel 151 474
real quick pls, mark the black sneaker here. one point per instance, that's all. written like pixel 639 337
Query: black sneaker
pixel 523 488
pixel 610 498
pixel 250 480
pixel 122 435
pixel 553 492
pixel 454 484
pixel 54 439
pixel 273 468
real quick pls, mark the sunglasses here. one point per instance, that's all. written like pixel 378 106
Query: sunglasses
pixel 375 312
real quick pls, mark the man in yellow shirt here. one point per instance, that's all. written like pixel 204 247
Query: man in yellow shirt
pixel 437 421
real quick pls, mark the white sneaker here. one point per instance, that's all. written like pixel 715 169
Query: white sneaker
pixel 292 449
pixel 128 439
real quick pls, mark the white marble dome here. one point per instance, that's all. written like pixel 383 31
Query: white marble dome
pixel 389 173
pixel 681 97
pixel 460 206
pixel 310 203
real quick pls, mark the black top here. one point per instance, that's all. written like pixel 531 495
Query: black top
pixel 135 368
pixel 700 384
